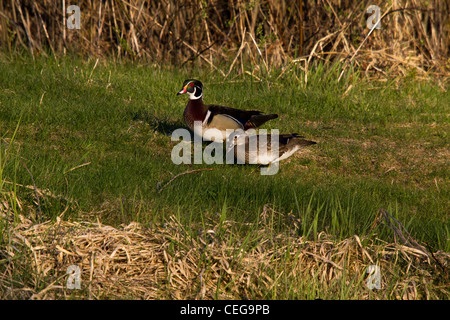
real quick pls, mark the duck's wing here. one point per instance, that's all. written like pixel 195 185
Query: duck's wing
pixel 238 115
pixel 289 141
pixel 247 118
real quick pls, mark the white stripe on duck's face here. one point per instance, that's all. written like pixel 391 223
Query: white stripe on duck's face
pixel 196 94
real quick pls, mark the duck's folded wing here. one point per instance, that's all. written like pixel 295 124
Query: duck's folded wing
pixel 286 137
pixel 287 141
pixel 241 116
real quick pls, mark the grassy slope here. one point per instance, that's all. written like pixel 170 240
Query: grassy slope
pixel 380 145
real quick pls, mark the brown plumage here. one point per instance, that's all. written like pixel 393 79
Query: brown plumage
pixel 258 149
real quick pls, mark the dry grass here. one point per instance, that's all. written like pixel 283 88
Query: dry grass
pixel 254 36
pixel 169 262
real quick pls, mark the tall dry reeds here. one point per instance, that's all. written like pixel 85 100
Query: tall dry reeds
pixel 414 34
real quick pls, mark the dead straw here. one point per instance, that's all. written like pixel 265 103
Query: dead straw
pixel 414 36
pixel 168 262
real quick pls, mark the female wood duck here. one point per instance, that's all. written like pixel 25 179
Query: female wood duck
pixel 255 149
pixel 216 117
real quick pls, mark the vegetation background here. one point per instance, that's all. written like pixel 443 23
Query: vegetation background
pixel 273 33
pixel 86 179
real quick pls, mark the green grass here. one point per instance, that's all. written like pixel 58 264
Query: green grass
pixel 382 145
pixel 99 140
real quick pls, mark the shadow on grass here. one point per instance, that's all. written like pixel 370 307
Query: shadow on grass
pixel 161 125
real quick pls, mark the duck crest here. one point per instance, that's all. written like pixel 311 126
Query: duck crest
pixel 195 111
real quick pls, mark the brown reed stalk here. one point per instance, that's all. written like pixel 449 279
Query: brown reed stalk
pixel 168 261
pixel 414 34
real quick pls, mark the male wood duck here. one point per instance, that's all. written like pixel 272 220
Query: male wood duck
pixel 217 117
pixel 254 152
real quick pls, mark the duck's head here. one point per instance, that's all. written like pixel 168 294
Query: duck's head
pixel 238 137
pixel 193 88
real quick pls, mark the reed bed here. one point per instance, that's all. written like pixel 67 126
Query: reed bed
pixel 169 262
pixel 253 37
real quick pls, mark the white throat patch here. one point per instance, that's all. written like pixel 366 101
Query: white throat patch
pixel 192 95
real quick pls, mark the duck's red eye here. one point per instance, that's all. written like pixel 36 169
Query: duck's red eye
pixel 191 84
